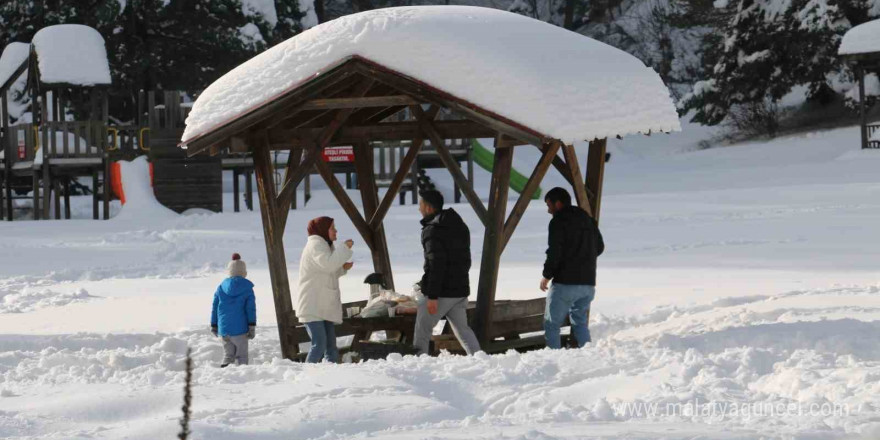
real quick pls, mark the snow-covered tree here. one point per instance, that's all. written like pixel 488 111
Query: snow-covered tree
pixel 764 48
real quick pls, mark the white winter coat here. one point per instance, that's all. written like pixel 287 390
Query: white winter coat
pixel 319 270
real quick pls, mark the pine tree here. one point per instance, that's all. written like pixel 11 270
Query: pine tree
pixel 764 48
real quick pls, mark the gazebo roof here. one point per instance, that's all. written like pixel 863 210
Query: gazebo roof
pixel 553 82
pixel 71 54
pixel 863 39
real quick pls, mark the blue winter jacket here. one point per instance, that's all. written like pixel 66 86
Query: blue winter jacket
pixel 234 308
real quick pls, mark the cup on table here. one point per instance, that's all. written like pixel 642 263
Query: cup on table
pixel 392 312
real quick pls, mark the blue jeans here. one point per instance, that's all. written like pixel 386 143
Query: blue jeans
pixel 572 300
pixel 323 336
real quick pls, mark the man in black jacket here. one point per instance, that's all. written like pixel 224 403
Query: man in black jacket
pixel 573 245
pixel 446 241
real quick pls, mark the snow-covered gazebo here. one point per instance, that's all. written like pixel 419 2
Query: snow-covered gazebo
pixel 860 47
pixel 518 80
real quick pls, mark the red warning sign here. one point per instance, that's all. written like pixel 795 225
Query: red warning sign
pixel 339 154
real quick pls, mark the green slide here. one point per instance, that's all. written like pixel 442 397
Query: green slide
pixel 485 159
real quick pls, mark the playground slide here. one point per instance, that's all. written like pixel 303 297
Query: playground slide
pixel 131 182
pixel 485 159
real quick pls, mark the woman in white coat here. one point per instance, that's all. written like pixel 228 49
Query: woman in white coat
pixel 318 304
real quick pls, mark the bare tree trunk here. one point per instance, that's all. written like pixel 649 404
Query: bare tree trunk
pixel 569 15
pixel 319 10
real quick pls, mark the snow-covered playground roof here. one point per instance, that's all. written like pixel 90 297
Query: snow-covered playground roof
pixel 554 82
pixel 862 39
pixel 71 54
pixel 14 54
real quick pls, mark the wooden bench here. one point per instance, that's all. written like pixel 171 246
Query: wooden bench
pixel 516 324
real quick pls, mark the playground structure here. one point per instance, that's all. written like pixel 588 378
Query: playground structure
pixel 65 136
pixel 45 155
pixel 860 48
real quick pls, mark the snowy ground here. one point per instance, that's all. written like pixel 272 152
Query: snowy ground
pixel 739 299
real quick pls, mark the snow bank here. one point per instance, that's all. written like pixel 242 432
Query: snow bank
pixel 554 81
pixel 864 38
pixel 13 55
pixel 140 201
pixel 73 54
pixel 29 300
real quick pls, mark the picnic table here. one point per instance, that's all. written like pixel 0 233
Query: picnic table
pixel 401 328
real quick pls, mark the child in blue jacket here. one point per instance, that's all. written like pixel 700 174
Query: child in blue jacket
pixel 234 313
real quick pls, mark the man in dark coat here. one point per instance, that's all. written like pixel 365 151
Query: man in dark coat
pixel 446 241
pixel 573 245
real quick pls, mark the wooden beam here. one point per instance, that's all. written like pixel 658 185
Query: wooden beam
pixel 294 176
pixel 525 196
pixel 402 172
pixel 863 121
pixel 426 93
pixel 273 234
pixel 367 101
pixel 396 183
pixel 427 127
pixel 347 205
pixel 314 152
pixel 596 175
pixel 363 161
pixel 492 241
pixel 388 131
pixel 580 189
pixel 288 100
pixel 378 116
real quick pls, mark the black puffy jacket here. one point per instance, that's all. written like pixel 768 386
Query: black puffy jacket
pixel 573 245
pixel 446 241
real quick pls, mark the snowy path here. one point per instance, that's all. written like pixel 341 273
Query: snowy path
pixel 734 282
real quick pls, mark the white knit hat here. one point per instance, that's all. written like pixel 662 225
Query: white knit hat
pixel 236 267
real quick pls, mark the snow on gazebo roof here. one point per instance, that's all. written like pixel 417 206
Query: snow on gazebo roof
pixel 556 82
pixel 862 39
pixel 13 55
pixel 72 54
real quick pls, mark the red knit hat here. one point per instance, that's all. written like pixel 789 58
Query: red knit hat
pixel 235 256
pixel 321 227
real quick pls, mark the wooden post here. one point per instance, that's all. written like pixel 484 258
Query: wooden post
pixel 596 174
pixel 45 150
pixel 94 194
pixel 580 189
pixel 492 241
pixel 249 189
pixel 36 183
pixel 7 146
pixel 57 190
pixel 363 163
pixel 273 234
pixel 67 199
pixel 106 184
pixel 863 120
pixel 345 202
pixel 235 194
